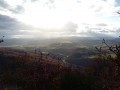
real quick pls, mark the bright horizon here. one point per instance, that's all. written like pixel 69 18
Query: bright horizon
pixel 59 18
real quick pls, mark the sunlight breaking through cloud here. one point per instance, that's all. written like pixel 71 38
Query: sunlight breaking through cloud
pixel 60 16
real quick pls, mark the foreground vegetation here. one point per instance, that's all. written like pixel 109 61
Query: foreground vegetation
pixel 21 70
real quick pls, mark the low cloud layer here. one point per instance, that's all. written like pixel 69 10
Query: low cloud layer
pixel 8 23
pixel 11 26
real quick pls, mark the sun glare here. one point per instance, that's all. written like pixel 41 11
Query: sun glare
pixel 43 17
pixel 40 15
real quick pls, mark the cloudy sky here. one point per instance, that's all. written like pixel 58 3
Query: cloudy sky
pixel 59 18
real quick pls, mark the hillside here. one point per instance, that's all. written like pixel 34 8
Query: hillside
pixel 29 71
pixel 56 67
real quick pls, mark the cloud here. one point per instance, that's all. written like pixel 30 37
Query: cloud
pixel 101 24
pixel 46 3
pixel 99 30
pixel 70 27
pixel 102 8
pixel 52 15
pixel 4 5
pixel 99 35
pixel 11 27
pixel 7 22
pixel 16 9
pixel 34 0
pixel 118 30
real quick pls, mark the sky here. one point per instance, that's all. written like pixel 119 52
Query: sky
pixel 59 18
